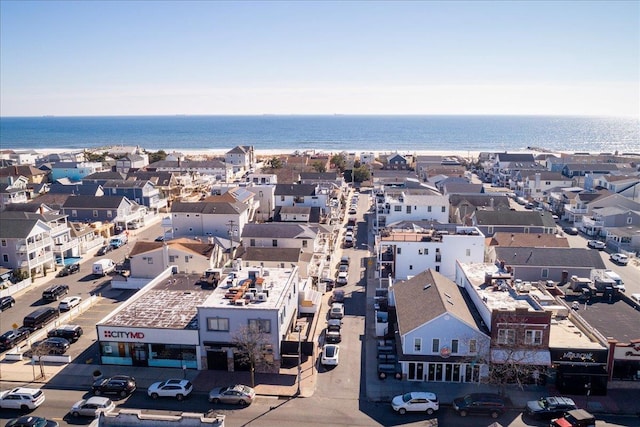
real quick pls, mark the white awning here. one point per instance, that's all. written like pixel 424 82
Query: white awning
pixel 522 357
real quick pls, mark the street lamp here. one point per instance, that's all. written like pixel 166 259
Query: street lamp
pixel 299 330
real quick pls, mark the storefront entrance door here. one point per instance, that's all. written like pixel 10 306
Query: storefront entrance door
pixel 139 354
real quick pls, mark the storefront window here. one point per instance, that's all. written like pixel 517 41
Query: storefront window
pixel 173 351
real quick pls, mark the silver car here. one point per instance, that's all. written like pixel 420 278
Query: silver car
pixel 92 406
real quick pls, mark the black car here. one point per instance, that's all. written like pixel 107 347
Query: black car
pixel 53 345
pixel 6 303
pixel 31 421
pixel 52 293
pixel 69 269
pixel 571 230
pixel 549 407
pixel 104 250
pixel 71 333
pixel 13 337
pixel 480 404
pixel 121 385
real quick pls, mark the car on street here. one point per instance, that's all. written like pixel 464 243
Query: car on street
pixel 330 355
pixel 54 292
pixel 69 302
pixel 23 398
pixel 11 338
pixel 416 401
pixel 31 421
pixel 235 394
pixel 104 250
pixel 343 278
pixel 348 241
pixel 91 407
pixel 337 296
pixel 159 239
pixel 7 302
pixel 334 325
pixel 480 404
pixel 51 346
pixel 353 210
pixel 336 311
pixel 69 269
pixel 619 258
pixel 571 230
pixel 121 385
pixel 71 333
pixel 345 259
pixel 596 244
pixel 343 268
pixel 170 388
pixel 549 407
pixel 332 337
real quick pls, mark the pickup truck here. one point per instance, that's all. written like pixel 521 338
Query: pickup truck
pixel 389 369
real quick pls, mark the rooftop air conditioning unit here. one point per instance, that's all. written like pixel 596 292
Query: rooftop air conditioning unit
pixel 261 296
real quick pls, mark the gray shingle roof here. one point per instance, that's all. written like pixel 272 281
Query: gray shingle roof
pixel 93 202
pixel 279 230
pixel 480 200
pixel 295 190
pixel 16 228
pixel 104 176
pixel 213 208
pixel 516 157
pixel 286 255
pixel 418 303
pixel 550 257
pixel 509 217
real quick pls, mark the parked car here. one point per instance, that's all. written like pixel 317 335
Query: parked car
pixel 389 370
pixel 353 210
pixel 104 250
pixel 480 404
pixel 330 355
pixel 336 311
pixel 22 398
pixel 13 337
pixel 337 296
pixel 53 293
pixel 345 260
pixel 343 278
pixel 71 333
pixel 416 401
pixel 170 388
pixel 596 244
pixel 121 385
pixel 332 337
pixel 619 258
pixel 236 394
pixel 6 303
pixel 348 241
pixel 69 302
pixel 69 269
pixel 53 346
pixel 31 421
pixel 571 230
pixel 334 325
pixel 92 406
pixel 549 407
pixel 575 418
pixel 343 268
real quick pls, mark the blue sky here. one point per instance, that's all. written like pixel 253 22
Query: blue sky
pixel 211 57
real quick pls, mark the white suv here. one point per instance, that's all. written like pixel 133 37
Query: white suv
pixel 21 398
pixel 170 388
pixel 416 401
pixel 619 258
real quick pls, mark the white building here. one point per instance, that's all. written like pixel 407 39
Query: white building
pixel 403 252
pixel 422 204
pixel 266 299
pixel 220 219
pixel 148 259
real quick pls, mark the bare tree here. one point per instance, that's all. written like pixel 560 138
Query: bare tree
pixel 252 343
pixel 38 351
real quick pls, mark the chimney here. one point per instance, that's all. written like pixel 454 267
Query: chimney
pixel 41 210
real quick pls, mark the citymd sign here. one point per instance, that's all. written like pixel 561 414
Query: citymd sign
pixel 123 334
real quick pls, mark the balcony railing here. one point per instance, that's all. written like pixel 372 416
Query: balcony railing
pixel 65 246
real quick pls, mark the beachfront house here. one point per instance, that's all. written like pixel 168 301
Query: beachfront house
pixel 241 158
pixel 132 162
pixel 74 171
pixel 117 210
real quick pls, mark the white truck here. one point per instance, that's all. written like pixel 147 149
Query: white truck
pixel 616 278
pixel 103 267
pixel 608 276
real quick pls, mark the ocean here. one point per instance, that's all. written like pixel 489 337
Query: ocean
pixel 326 133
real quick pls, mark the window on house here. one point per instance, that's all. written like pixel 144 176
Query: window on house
pixel 282 198
pixel 150 260
pixel 5 258
pixel 95 213
pixel 630 220
pixel 435 345
pixel 428 208
pixel 109 214
pixel 506 336
pixel 438 268
pixel 274 243
pixel 408 209
pixel 186 258
pixel 172 258
pixel 533 337
pixel 468 252
pixel 473 346
pixel 417 345
pixel 444 209
pixel 252 242
pixel 411 267
pixel 4 242
pixel 454 346
pixel 544 273
pixel 397 208
pixel 399 251
pixel 217 324
pixel 305 243
pixel 262 325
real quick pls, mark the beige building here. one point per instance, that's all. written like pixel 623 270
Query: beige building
pixel 148 259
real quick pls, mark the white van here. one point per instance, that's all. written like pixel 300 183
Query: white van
pixel 103 267
pixel 616 278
